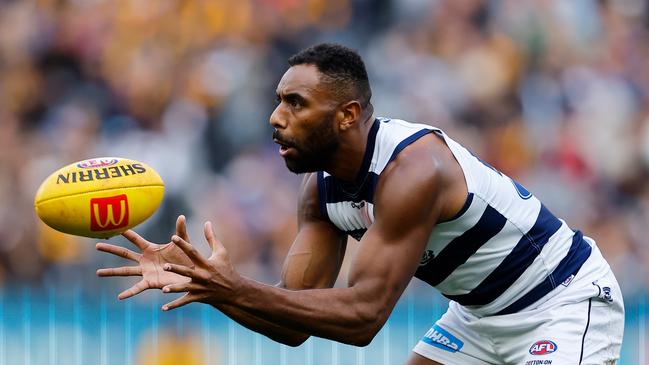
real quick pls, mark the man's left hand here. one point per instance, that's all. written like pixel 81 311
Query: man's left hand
pixel 212 279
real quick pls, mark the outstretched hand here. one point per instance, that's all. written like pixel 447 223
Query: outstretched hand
pixel 150 261
pixel 211 279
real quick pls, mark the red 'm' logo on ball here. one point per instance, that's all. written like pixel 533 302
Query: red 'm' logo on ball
pixel 108 213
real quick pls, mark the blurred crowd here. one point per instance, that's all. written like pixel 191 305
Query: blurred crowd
pixel 554 93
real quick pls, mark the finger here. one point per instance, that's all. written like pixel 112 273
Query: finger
pixel 181 227
pixel 190 250
pixel 120 271
pixel 181 270
pixel 182 287
pixel 119 251
pixel 136 239
pixel 177 303
pixel 215 244
pixel 134 290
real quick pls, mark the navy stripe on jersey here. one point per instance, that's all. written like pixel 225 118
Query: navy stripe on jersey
pixel 322 196
pixel 462 247
pixel 403 144
pixel 577 254
pixel 337 191
pixel 513 266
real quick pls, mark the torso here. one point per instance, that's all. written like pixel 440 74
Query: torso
pixel 494 248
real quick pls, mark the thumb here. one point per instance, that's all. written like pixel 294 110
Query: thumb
pixel 216 245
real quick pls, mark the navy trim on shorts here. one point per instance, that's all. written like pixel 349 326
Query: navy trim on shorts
pixel 583 338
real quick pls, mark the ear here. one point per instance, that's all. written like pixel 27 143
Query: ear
pixel 348 114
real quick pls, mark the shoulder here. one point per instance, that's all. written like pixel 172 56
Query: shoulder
pixel 421 165
pixel 422 179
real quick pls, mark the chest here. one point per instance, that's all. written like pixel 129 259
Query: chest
pixel 352 217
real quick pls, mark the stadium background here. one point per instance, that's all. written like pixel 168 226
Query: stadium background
pixel 555 93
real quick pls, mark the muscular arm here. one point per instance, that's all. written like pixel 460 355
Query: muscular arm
pixel 313 261
pixel 407 205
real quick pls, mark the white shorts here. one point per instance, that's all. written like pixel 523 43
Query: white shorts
pixel 581 323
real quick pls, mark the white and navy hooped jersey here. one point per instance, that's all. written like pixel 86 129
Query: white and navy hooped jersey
pixel 501 253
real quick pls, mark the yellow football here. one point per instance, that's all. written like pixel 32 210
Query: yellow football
pixel 99 197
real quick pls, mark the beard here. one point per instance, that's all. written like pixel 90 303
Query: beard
pixel 315 150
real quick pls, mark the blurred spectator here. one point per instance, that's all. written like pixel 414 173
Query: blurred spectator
pixel 172 349
pixel 554 93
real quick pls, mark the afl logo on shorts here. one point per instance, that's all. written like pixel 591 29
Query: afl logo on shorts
pixel 543 347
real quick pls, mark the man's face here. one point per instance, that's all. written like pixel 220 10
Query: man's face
pixel 304 120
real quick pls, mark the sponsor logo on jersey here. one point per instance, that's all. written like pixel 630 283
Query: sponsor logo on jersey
pixel 108 213
pixel 426 257
pixel 568 280
pixel 538 362
pixel 100 173
pixel 440 338
pixel 97 162
pixel 358 205
pixel 543 347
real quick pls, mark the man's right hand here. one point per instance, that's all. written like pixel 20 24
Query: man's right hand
pixel 150 261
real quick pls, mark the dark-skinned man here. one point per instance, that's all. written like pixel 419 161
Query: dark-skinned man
pixel 523 285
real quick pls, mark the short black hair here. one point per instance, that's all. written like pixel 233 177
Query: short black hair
pixel 343 70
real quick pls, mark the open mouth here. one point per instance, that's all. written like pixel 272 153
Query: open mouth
pixel 284 149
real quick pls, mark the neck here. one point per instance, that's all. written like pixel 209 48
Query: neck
pixel 347 161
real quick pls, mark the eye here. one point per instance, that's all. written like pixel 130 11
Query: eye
pixel 295 101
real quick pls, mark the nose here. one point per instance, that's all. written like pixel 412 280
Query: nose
pixel 276 120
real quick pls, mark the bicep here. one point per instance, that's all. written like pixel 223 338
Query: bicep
pixel 391 249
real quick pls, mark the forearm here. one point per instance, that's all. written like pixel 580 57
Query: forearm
pixel 340 314
pixel 255 323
